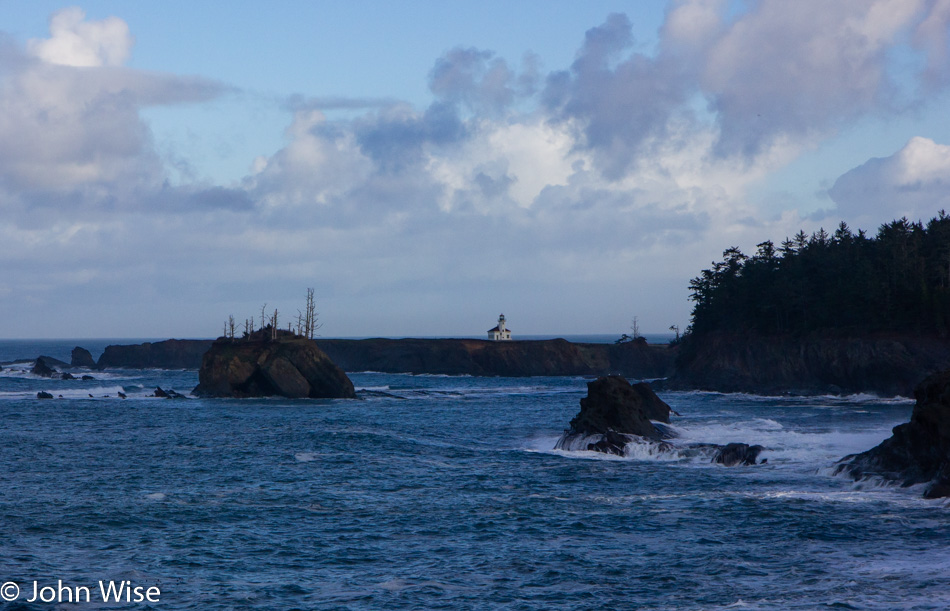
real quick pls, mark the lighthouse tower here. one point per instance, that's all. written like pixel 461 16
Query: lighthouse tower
pixel 500 332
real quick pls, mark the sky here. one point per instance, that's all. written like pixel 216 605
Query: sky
pixel 427 166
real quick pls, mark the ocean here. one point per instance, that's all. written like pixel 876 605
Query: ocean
pixel 443 492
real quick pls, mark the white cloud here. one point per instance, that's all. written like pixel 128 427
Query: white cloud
pixel 801 68
pixel 74 41
pixel 70 128
pixel 913 182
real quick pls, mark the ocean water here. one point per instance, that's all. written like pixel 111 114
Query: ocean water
pixel 436 492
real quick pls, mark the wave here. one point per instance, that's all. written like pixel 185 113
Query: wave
pixel 860 397
pixel 697 442
pixel 97 392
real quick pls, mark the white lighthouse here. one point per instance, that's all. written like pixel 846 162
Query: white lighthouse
pixel 500 332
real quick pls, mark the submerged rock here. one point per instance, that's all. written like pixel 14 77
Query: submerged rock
pixel 733 454
pixel 919 451
pixel 613 414
pixel 287 366
pixel 43 395
pixel 167 394
pixel 80 357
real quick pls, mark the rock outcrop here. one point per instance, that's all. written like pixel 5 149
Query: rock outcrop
pixel 919 450
pixel 885 364
pixel 80 357
pixel 43 367
pixel 287 366
pixel 614 413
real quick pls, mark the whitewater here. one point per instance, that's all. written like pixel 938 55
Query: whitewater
pixel 441 492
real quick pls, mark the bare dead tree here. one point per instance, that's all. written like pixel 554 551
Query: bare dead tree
pixel 310 316
pixel 635 328
pixel 248 327
pixel 263 316
pixel 300 323
pixel 273 325
pixel 231 326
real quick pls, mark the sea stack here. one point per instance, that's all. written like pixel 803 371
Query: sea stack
pixel 614 413
pixel 80 357
pixel 919 451
pixel 264 365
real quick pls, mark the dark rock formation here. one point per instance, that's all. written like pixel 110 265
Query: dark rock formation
pixel 67 376
pixel 613 413
pixel 42 368
pixel 167 394
pixel 80 357
pixel 169 354
pixel 884 364
pixel 287 366
pixel 733 454
pixel 919 451
pixel 43 395
pixel 88 377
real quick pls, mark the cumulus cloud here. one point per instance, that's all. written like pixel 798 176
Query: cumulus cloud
pixel 913 182
pixel 74 41
pixel 616 102
pixel 70 126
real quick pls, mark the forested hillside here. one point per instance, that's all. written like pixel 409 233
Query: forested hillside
pixel 843 282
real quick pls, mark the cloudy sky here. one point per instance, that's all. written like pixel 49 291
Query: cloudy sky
pixel 425 166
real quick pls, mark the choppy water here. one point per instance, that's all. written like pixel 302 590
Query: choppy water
pixel 444 493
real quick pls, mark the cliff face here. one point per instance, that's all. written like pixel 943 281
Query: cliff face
pixel 286 367
pixel 888 365
pixel 919 451
pixel 169 354
pixel 556 357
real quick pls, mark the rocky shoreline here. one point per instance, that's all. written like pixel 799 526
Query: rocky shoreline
pixel 556 357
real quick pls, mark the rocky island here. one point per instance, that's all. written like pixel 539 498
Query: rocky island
pixel 613 414
pixel 266 364
pixel 616 414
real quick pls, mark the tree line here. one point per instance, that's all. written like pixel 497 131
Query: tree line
pixel 851 283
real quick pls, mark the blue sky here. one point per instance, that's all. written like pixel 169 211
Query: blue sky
pixel 425 166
